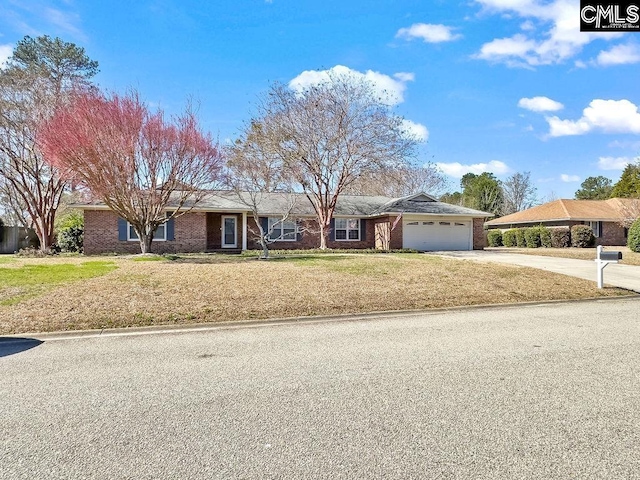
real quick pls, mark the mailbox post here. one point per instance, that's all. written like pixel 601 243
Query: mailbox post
pixel 602 260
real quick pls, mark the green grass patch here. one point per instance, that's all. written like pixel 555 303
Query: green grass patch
pixel 6 259
pixel 17 284
pixel 150 258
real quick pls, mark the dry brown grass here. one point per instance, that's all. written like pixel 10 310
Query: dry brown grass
pixel 217 288
pixel 628 257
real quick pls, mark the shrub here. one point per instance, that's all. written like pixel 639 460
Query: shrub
pixel 71 233
pixel 545 236
pixel 582 236
pixel 633 237
pixel 509 238
pixel 560 237
pixel 521 242
pixel 494 238
pixel 532 237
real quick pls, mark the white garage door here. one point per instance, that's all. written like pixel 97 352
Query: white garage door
pixel 437 234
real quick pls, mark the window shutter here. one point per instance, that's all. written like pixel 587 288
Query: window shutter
pixel 332 229
pixel 298 230
pixel 170 226
pixel 122 229
pixel 600 229
pixel 264 223
pixel 363 229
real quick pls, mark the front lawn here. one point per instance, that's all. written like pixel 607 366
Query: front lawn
pixel 123 292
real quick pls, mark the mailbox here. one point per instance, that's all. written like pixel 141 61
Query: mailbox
pixel 610 256
pixel 603 259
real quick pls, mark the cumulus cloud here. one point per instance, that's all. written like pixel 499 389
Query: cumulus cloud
pixel 569 178
pixel 540 104
pixel 615 163
pixel 557 39
pixel 619 55
pixel 5 53
pixel 417 130
pixel 390 89
pixel 609 116
pixel 429 33
pixel 457 170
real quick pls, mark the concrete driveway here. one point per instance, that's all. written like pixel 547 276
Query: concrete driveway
pixel 622 276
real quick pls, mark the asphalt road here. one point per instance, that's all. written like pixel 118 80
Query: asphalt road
pixel 547 391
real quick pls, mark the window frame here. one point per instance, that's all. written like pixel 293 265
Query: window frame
pixel 137 239
pixel 282 237
pixel 347 230
pixel 596 228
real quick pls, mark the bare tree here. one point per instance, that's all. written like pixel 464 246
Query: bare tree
pixel 401 181
pixel 518 193
pixel 328 135
pixel 37 78
pixel 630 210
pixel 142 166
pixel 255 176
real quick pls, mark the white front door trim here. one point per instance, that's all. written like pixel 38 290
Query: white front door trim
pixel 224 231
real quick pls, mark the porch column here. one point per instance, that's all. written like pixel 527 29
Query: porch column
pixel 244 231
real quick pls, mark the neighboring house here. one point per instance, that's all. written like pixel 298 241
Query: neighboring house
pixel 603 216
pixel 221 222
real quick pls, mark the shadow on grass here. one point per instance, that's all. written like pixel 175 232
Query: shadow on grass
pixel 13 345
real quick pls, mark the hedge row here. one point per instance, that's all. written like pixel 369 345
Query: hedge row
pixel 540 236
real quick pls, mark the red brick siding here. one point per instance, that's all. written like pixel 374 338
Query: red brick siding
pixel 101 235
pixel 612 234
pixel 479 234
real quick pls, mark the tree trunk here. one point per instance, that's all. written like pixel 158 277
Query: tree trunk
pixel 145 243
pixel 323 236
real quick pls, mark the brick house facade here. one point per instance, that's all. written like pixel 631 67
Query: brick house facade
pixel 221 224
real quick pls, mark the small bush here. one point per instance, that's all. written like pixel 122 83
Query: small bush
pixel 582 236
pixel 545 236
pixel 71 233
pixel 633 237
pixel 494 238
pixel 532 237
pixel 521 242
pixel 509 238
pixel 560 237
pixel 36 252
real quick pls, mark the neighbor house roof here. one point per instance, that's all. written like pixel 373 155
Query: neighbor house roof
pixel 347 205
pixel 611 210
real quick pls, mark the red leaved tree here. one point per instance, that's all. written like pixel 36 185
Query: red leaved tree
pixel 144 167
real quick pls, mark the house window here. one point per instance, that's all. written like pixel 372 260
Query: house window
pixel 282 231
pixel 160 235
pixel 445 223
pixel 413 223
pixel 347 228
pixel 596 226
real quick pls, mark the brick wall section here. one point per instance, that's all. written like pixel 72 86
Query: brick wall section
pixel 479 234
pixel 101 235
pixel 311 238
pixel 612 234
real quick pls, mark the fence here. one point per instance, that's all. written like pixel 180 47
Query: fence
pixel 13 239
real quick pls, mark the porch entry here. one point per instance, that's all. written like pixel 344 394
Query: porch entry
pixel 229 239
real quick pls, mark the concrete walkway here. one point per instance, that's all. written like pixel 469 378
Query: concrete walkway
pixel 623 276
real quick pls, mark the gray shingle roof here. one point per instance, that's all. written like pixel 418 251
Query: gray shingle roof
pixel 348 205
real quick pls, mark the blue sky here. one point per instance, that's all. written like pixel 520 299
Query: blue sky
pixel 493 85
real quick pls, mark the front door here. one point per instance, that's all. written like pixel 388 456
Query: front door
pixel 229 232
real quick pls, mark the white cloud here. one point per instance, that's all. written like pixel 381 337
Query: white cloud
pixel 5 52
pixel 417 130
pixel 390 89
pixel 457 170
pixel 615 163
pixel 560 37
pixel 569 178
pixel 609 116
pixel 619 55
pixel 429 33
pixel 540 104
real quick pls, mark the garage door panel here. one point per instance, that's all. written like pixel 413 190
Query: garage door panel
pixel 429 235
